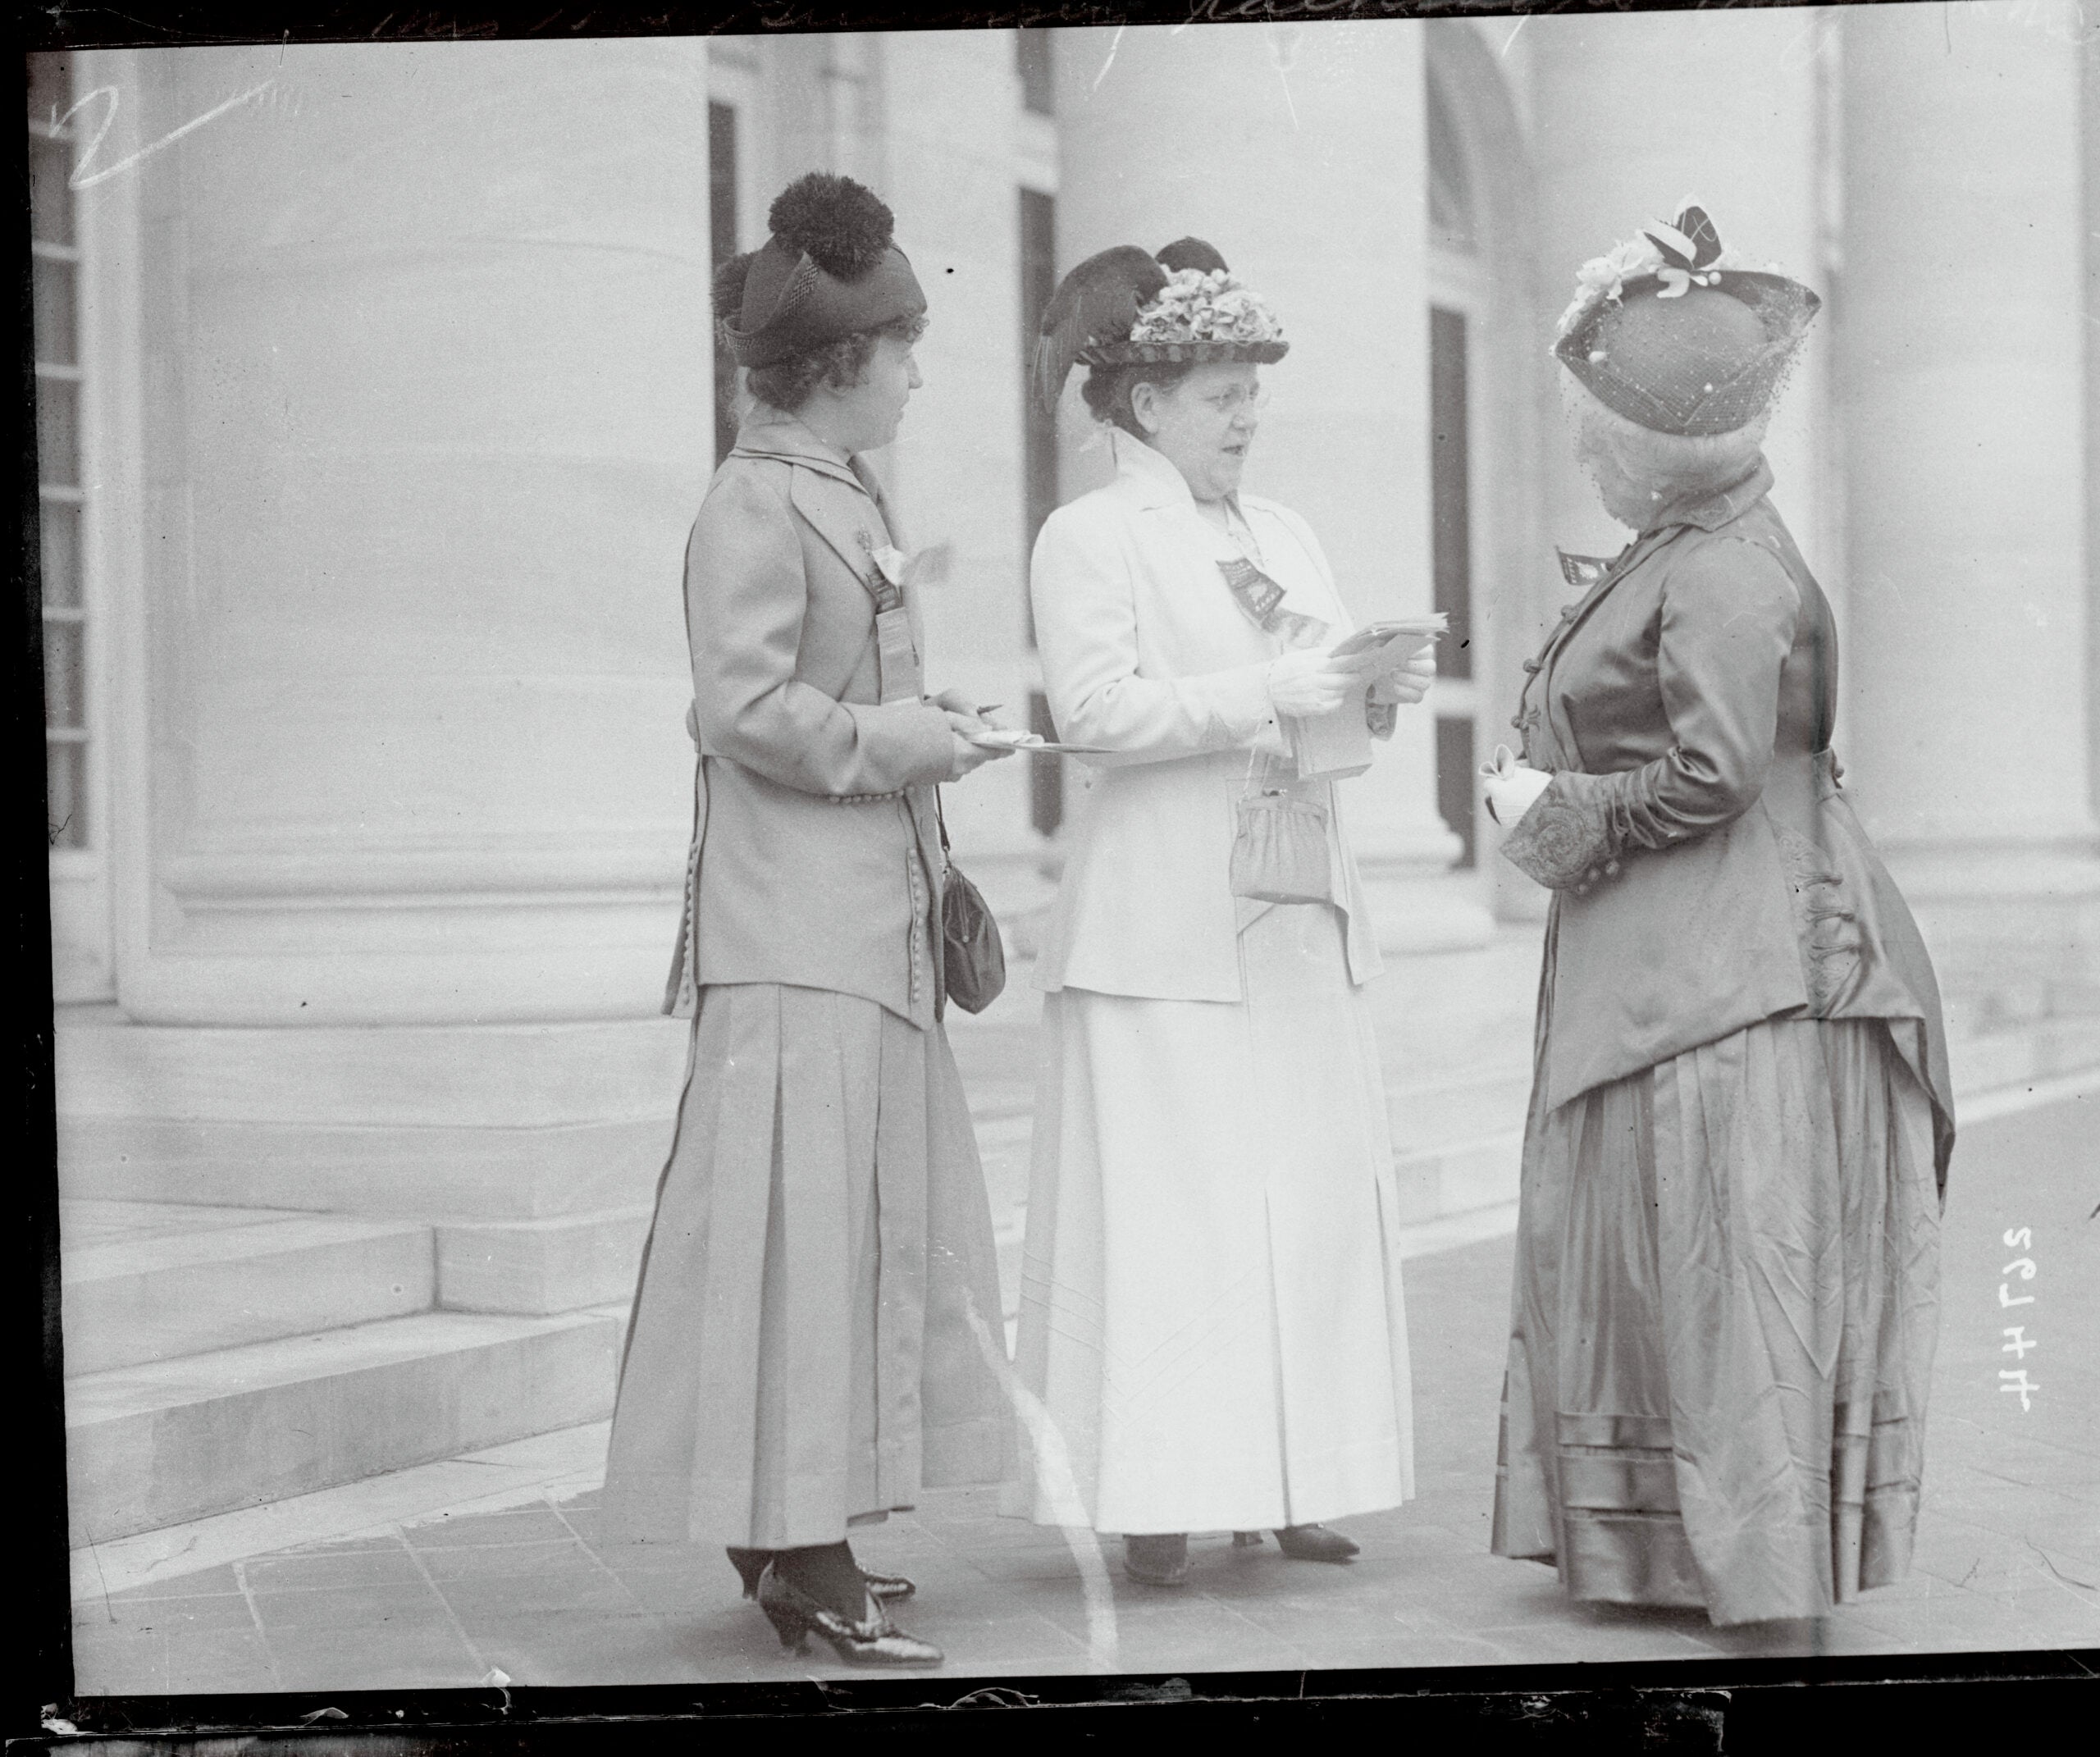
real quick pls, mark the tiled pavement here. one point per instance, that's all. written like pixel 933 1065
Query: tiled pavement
pixel 2009 1549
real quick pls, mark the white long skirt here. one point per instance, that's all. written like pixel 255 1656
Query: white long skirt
pixel 1210 1308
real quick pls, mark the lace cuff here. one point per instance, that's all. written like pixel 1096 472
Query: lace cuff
pixel 1564 840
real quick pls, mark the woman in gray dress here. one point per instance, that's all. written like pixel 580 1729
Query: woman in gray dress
pixel 809 1347
pixel 1728 1244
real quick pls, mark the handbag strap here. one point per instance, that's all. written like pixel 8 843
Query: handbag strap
pixel 941 823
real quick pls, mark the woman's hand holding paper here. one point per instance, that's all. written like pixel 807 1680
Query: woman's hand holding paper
pixel 1407 681
pixel 1312 681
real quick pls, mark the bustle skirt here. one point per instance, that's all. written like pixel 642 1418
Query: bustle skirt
pixel 1723 1323
pixel 809 1343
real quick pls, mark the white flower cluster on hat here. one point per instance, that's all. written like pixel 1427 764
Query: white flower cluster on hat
pixel 1198 306
pixel 1604 277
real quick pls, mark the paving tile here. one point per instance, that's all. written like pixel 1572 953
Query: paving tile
pixel 475 1601
pixel 374 1657
pixel 524 1524
pixel 1416 1652
pixel 585 1648
pixel 501 1562
pixel 1591 1643
pixel 217 1610
pixel 153 1663
pixel 1967 1622
pixel 1803 1638
pixel 207 1580
pixel 325 1570
pixel 353 1607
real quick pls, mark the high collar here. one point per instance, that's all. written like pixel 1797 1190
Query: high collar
pixel 770 432
pixel 1154 476
pixel 1709 509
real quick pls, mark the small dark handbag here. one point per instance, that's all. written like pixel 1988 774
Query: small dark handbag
pixel 974 959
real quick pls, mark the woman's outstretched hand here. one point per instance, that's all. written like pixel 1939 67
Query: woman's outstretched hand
pixel 968 757
pixel 1312 682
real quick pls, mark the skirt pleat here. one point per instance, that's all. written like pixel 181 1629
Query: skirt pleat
pixel 802 1356
pixel 1722 1326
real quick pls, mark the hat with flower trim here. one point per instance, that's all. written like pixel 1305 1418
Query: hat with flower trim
pixel 1676 334
pixel 830 269
pixel 1123 308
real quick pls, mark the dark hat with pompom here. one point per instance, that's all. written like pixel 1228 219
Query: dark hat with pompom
pixel 829 269
pixel 1677 338
pixel 1109 311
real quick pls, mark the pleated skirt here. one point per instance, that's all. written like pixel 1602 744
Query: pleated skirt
pixel 808 1344
pixel 1212 1317
pixel 1723 1323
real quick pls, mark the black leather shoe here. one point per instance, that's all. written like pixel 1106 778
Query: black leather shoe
pixel 1161 1560
pixel 885 1589
pixel 1314 1543
pixel 874 1641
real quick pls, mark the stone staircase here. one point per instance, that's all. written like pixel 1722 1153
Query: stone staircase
pixel 285 1325
pixel 219 1357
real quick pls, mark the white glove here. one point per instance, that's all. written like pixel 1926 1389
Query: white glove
pixel 1513 788
pixel 1312 682
pixel 1408 683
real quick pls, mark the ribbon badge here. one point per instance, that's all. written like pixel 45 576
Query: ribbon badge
pixel 1584 572
pixel 1689 249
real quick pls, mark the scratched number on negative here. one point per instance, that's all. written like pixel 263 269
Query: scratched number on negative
pixel 2020 1269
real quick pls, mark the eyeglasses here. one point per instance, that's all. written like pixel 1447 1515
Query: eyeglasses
pixel 1230 403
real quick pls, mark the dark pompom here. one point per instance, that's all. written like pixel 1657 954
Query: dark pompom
pixel 1192 253
pixel 842 226
pixel 730 278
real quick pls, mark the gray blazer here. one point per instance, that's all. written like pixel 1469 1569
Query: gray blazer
pixel 814 858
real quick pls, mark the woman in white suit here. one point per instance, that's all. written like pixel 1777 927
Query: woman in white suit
pixel 1210 1308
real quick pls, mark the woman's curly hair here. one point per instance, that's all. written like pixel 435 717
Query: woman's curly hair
pixel 1106 390
pixel 840 363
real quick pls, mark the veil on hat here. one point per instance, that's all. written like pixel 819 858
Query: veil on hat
pixel 1672 331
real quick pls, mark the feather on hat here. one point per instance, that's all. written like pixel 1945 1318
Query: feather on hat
pixel 1091 318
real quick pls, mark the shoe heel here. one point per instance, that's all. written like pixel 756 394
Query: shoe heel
pixel 792 1628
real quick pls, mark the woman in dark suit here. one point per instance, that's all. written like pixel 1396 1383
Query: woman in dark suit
pixel 810 1344
pixel 1737 1148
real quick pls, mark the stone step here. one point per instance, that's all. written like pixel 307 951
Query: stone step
pixel 537 1267
pixel 164 1290
pixel 155 1444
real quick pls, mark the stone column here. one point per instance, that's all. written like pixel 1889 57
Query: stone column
pixel 1299 151
pixel 951 110
pixel 426 419
pixel 1964 335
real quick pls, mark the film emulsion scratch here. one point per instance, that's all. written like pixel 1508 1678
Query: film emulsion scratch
pixel 1508 1080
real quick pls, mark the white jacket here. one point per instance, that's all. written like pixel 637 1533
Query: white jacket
pixel 1146 653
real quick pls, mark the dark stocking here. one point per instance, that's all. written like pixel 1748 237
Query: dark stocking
pixel 749 1564
pixel 828 1574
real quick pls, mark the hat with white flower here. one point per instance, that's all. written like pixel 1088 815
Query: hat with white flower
pixel 1123 308
pixel 1678 335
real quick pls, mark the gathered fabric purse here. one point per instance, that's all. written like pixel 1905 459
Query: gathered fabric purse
pixel 974 958
pixel 1280 852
